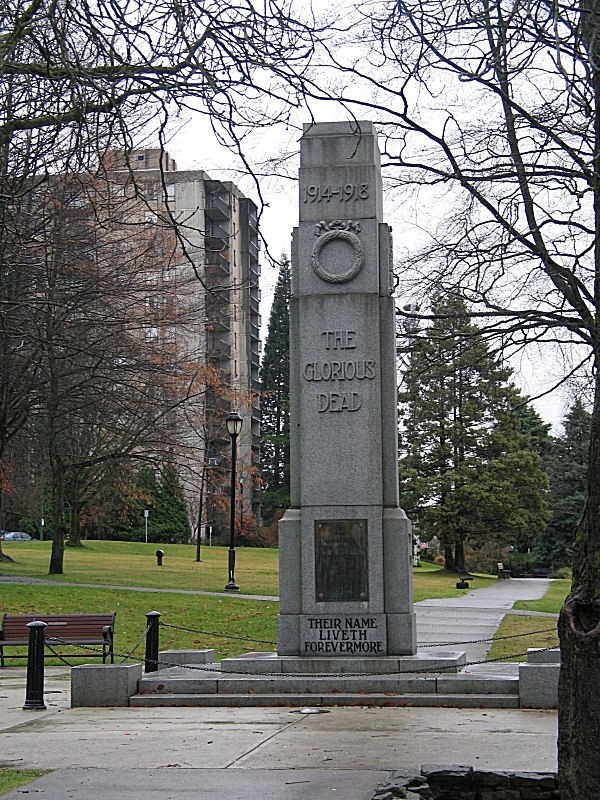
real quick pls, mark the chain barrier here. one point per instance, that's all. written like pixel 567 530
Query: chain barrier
pixel 135 646
pixel 212 668
pixel 218 635
pixel 493 639
pixel 87 649
pixel 420 671
pixel 58 655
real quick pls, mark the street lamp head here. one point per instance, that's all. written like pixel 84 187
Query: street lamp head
pixel 234 424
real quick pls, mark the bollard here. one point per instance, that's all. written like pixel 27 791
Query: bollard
pixel 159 558
pixel 151 664
pixel 34 694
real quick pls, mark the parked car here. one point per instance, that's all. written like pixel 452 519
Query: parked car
pixel 16 536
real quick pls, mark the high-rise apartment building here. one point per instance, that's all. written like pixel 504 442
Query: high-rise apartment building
pixel 204 307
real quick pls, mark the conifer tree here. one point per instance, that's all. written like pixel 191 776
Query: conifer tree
pixel 275 426
pixel 467 470
pixel 160 493
pixel 171 519
pixel 568 476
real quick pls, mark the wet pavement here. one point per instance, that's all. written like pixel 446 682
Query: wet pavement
pixel 271 753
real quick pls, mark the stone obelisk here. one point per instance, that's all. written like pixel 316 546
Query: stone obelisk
pixel 345 543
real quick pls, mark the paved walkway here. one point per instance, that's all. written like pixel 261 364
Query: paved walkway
pixel 469 622
pixel 270 753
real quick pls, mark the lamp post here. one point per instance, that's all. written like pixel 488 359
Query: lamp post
pixel 234 426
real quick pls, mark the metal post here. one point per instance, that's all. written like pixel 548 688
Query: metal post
pixel 231 584
pixel 34 695
pixel 151 664
pixel 200 512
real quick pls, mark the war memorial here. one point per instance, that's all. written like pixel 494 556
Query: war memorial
pixel 345 544
pixel 346 626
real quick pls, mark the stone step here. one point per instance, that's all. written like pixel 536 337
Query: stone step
pixel 188 681
pixel 317 701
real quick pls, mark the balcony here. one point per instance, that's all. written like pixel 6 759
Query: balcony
pixel 217 262
pixel 219 322
pixel 217 303
pixel 218 349
pixel 255 359
pixel 254 331
pixel 217 208
pixel 254 276
pixel 217 238
pixel 254 248
pixel 254 303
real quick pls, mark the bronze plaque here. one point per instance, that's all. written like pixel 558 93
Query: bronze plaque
pixel 341 560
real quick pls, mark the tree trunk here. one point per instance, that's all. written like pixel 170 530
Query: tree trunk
pixel 200 509
pixel 579 632
pixel 58 533
pixel 449 564
pixel 579 621
pixel 3 556
pixel 75 513
pixel 579 699
pixel 459 556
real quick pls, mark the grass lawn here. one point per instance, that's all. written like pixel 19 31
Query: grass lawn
pixel 531 631
pixel 229 624
pixel 551 602
pixel 430 581
pixel 134 564
pixel 13 778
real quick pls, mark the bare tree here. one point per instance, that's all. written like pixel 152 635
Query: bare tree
pixel 81 80
pixel 489 117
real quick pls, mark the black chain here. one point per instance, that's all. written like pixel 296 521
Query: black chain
pixel 209 668
pixel 493 639
pixel 217 635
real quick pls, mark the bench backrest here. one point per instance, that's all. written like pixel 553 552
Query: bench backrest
pixel 82 628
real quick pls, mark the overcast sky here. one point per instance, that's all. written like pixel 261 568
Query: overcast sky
pixel 194 146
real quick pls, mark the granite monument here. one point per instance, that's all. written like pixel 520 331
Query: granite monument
pixel 345 543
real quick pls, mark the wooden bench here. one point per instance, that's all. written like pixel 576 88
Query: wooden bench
pixel 503 574
pixel 63 630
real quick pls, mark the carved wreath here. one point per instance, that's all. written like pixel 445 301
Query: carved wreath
pixel 341 230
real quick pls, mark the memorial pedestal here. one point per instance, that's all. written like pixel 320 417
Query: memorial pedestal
pixel 345 544
pixel 424 663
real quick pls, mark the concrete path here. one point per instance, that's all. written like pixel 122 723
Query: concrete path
pixel 238 753
pixel 270 753
pixel 469 622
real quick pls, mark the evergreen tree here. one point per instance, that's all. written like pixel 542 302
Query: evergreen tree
pixel 467 470
pixel 170 514
pixel 505 500
pixel 158 492
pixel 568 477
pixel 275 426
pixel 538 431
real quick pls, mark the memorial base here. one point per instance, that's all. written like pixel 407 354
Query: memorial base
pixel 423 662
